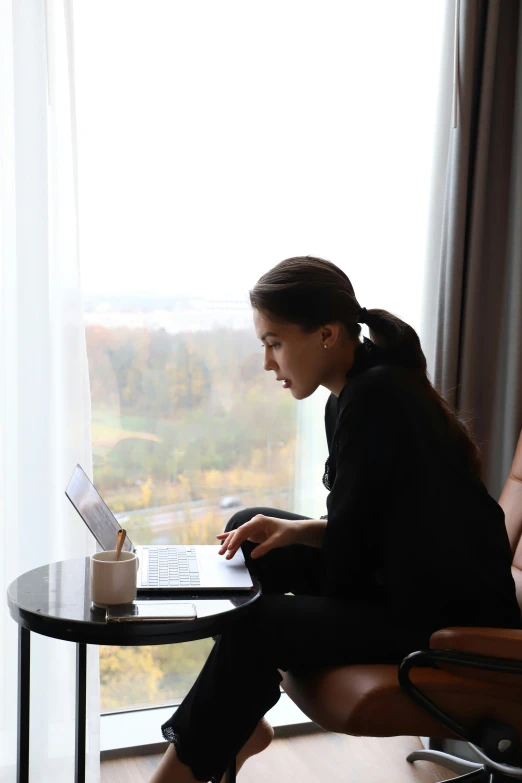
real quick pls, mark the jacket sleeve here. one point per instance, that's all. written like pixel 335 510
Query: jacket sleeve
pixel 364 451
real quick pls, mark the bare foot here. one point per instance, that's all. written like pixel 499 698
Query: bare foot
pixel 260 739
pixel 172 769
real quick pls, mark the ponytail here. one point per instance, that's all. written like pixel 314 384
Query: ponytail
pixel 399 340
pixel 402 346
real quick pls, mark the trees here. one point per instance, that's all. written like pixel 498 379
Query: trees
pixel 139 676
pixel 179 421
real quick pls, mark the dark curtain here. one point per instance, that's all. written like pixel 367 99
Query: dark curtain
pixel 475 273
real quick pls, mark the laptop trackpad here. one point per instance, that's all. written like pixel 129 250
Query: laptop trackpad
pixel 215 569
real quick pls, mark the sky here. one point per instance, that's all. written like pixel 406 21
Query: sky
pixel 216 139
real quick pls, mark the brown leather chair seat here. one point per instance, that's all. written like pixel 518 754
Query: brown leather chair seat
pixel 368 701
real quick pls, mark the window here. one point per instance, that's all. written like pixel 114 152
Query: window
pixel 216 139
pixel 186 430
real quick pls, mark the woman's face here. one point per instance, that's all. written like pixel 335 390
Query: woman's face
pixel 299 358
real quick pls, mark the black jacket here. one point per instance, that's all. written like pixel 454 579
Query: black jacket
pixel 408 525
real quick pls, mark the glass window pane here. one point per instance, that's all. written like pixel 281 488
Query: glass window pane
pixel 216 139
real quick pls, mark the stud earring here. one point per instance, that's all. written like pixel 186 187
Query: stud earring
pixel 325 346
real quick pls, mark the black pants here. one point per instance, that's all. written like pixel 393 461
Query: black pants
pixel 240 680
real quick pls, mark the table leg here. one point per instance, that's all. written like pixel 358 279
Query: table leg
pixel 24 684
pixel 81 707
pixel 230 776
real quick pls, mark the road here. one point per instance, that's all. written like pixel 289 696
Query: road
pixel 164 520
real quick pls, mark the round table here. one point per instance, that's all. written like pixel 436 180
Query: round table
pixel 55 600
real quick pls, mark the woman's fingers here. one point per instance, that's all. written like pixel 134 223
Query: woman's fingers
pixel 236 537
pixel 227 537
pixel 267 532
pixel 232 544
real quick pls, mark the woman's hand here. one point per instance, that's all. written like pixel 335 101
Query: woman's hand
pixel 268 532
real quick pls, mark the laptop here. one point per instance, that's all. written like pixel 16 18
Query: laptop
pixel 162 567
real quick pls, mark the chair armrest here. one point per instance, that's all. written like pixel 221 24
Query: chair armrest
pixel 490 642
pixel 485 732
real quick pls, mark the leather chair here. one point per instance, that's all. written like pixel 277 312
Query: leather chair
pixel 468 687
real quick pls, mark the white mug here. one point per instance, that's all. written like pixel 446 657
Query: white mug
pixel 113 581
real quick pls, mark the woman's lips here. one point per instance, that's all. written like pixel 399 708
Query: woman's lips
pixel 286 384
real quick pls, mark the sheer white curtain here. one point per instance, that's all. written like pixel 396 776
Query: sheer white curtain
pixel 44 390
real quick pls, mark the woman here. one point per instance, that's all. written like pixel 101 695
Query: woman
pixel 412 541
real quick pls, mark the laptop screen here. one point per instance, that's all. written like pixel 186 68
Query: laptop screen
pixel 92 509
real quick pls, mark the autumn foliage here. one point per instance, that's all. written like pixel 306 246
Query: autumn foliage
pixel 186 429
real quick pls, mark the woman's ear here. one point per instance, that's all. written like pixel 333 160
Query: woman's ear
pixel 330 332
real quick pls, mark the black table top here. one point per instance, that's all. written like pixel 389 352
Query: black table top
pixel 54 600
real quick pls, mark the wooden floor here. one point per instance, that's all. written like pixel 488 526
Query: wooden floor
pixel 319 757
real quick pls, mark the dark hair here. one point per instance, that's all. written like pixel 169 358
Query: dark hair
pixel 310 291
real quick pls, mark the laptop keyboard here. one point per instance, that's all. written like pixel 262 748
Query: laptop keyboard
pixel 170 566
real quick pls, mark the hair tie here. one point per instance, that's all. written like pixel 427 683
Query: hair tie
pixel 363 315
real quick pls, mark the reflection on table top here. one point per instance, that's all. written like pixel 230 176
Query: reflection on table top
pixel 55 600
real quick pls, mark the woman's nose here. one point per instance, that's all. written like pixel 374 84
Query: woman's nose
pixel 269 363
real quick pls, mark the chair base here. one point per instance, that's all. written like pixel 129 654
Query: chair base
pixel 482 775
pixel 477 773
pixel 453 763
